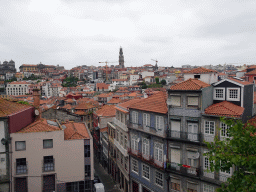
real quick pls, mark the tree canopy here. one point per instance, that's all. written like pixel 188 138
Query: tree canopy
pixel 70 82
pixel 238 152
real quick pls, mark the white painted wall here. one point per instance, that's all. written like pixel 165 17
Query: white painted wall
pixel 147 73
pixel 207 78
pixel 133 79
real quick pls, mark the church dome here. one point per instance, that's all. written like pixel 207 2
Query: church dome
pixel 11 61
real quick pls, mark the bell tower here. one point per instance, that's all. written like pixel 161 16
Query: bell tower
pixel 121 58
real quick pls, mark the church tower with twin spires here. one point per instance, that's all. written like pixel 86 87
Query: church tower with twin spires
pixel 121 58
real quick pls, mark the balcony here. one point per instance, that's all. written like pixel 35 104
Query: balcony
pixel 184 136
pixel 120 124
pixel 121 148
pixel 191 172
pixel 48 164
pixel 146 129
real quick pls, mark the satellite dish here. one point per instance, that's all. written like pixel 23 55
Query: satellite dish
pixel 36 112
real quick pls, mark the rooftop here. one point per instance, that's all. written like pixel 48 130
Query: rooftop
pixel 200 70
pixel 190 85
pixel 75 131
pixel 106 111
pixel 225 108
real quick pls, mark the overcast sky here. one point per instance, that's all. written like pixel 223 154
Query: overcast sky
pixel 84 32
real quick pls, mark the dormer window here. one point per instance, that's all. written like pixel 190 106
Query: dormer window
pixel 233 94
pixel 197 76
pixel 219 94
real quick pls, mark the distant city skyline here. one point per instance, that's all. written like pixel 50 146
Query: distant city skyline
pixel 74 33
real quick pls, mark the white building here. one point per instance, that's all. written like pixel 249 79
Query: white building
pixel 133 79
pixel 17 88
pixel 206 75
pixel 147 73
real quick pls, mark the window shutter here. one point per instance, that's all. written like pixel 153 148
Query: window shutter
pixel 193 101
pixel 133 116
pixel 144 118
pixel 175 100
pixel 157 122
pixel 148 120
pixel 175 126
pixel 175 155
pixel 161 123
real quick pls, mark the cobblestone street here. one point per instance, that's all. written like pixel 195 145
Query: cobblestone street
pixel 106 179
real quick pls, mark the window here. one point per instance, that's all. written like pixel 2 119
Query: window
pixel 193 101
pixel 224 130
pixel 87 170
pixel 228 172
pixel 175 129
pixel 175 184
pixel 21 184
pixel 48 183
pixel 48 163
pixel 159 123
pixel 146 119
pixel 135 166
pixel 145 147
pixel 48 143
pixel 20 145
pixel 126 163
pixel 158 152
pixel 121 139
pixel 175 155
pixel 125 141
pixel 159 179
pixel 192 160
pixel 145 171
pixel 219 94
pixel 233 94
pixel 134 143
pixel 197 76
pixel 208 188
pixel 135 117
pixel 209 127
pixel 175 100
pixel 117 135
pixel 87 151
pixel 206 163
pixel 21 166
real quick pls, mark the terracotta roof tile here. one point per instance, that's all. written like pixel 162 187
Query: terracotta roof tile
pixel 155 103
pixel 106 111
pixel 40 125
pixel 102 85
pixel 241 82
pixel 201 70
pixel 115 101
pixel 190 84
pixel 225 108
pixel 253 72
pixel 9 107
pixel 75 131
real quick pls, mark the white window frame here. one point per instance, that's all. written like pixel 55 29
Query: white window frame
pixel 159 123
pixel 146 119
pixel 18 143
pixel 144 172
pixel 218 98
pixel 223 132
pixel 135 166
pixel 158 178
pixel 134 143
pixel 225 172
pixel 159 151
pixel 208 188
pixel 233 99
pixel 209 127
pixel 145 146
pixel 135 117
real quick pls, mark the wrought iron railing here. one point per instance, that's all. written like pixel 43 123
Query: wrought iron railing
pixel 194 137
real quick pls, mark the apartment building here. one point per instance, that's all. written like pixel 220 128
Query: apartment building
pixel 17 88
pixel 195 108
pixel 118 165
pixel 49 157
pixel 13 116
pixel 148 145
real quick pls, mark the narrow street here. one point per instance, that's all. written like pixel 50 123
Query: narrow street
pixel 106 179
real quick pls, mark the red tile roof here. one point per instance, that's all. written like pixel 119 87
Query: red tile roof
pixel 201 70
pixel 115 101
pixel 75 131
pixel 9 107
pixel 155 103
pixel 40 125
pixel 102 85
pixel 225 108
pixel 190 84
pixel 106 111
pixel 241 82
pixel 253 72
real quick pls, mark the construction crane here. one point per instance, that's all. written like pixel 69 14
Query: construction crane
pixel 106 66
pixel 154 60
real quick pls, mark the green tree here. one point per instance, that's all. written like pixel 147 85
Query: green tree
pixel 163 82
pixel 237 151
pixel 157 80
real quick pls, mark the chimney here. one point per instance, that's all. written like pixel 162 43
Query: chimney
pixel 36 97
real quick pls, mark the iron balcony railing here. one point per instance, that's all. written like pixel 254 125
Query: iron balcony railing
pixel 48 166
pixel 186 136
pixel 146 129
pixel 186 171
pixel 21 169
